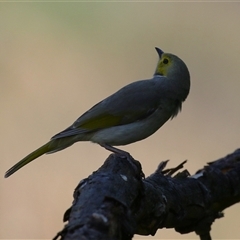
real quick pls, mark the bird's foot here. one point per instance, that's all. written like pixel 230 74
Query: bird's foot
pixel 123 154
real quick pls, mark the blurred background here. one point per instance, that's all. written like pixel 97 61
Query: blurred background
pixel 59 59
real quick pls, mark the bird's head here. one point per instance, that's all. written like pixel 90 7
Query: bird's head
pixel 173 68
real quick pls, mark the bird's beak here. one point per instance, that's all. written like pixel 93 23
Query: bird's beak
pixel 159 51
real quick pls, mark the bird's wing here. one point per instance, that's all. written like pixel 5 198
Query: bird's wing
pixel 131 103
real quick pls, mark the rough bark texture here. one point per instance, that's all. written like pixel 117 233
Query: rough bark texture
pixel 116 201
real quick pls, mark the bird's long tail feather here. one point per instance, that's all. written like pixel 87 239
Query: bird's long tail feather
pixel 35 154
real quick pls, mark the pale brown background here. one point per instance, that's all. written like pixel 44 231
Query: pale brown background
pixel 58 59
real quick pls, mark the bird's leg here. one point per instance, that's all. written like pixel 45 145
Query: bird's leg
pixel 126 155
pixel 115 150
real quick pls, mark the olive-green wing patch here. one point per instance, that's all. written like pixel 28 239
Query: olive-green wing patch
pixel 99 122
pixel 91 125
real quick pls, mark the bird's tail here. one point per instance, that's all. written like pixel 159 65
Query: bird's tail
pixel 37 153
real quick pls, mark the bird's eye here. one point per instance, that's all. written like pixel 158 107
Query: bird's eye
pixel 165 61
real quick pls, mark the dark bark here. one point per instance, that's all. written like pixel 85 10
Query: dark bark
pixel 116 201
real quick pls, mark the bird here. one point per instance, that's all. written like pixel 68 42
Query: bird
pixel 131 114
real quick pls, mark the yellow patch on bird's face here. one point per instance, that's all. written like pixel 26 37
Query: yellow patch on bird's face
pixel 163 65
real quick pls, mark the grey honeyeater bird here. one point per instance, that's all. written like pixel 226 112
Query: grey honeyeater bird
pixel 129 115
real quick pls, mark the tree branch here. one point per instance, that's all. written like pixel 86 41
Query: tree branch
pixel 116 202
